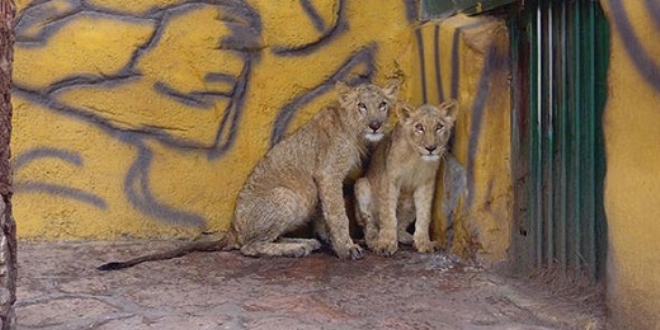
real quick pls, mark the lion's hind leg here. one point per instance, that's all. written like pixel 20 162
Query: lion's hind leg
pixel 280 211
pixel 364 210
pixel 285 247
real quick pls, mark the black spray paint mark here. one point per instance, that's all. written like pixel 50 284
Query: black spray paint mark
pixel 436 57
pixel 422 64
pixel 340 26
pixel 653 8
pixel 494 61
pixel 411 9
pixel 196 99
pixel 455 70
pixel 455 55
pixel 642 60
pixel 61 191
pixel 231 118
pixel 24 158
pixel 287 113
pixel 138 191
pixel 313 15
pixel 220 77
pixel 69 157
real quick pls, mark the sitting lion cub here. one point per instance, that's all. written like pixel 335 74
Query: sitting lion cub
pixel 400 181
pixel 298 175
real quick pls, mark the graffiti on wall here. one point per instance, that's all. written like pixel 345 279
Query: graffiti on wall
pixel 636 47
pixel 178 81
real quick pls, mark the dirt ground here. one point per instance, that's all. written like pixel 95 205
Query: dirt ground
pixel 59 288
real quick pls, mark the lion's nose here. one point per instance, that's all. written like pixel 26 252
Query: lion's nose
pixel 375 125
pixel 431 148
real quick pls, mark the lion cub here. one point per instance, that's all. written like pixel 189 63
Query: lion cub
pixel 298 175
pixel 400 181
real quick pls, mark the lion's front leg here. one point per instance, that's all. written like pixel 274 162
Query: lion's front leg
pixel 387 242
pixel 334 212
pixel 423 197
pixel 405 216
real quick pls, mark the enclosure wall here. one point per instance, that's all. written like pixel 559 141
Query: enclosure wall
pixel 142 119
pixel 632 184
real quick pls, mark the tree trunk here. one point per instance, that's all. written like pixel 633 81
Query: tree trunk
pixel 7 224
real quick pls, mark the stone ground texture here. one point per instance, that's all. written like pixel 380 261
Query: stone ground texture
pixel 59 288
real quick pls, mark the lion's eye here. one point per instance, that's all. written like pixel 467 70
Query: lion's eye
pixel 382 106
pixel 419 128
pixel 362 107
pixel 439 128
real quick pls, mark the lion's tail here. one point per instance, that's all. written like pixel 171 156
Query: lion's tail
pixel 225 243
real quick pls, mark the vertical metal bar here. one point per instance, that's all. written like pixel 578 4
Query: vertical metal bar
pixel 558 95
pixel 533 182
pixel 567 131
pixel 602 60
pixel 524 249
pixel 538 133
pixel 549 132
pixel 542 127
pixel 590 168
pixel 577 99
pixel 563 148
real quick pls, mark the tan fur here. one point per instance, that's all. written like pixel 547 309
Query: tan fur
pixel 400 181
pixel 299 175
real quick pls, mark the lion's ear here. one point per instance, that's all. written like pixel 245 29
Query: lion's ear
pixel 404 111
pixel 344 91
pixel 449 109
pixel 391 89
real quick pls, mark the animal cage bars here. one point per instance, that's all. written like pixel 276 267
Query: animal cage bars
pixel 560 52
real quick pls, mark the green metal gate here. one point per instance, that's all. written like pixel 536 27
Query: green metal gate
pixel 560 52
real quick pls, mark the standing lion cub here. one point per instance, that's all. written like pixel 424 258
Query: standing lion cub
pixel 400 181
pixel 302 171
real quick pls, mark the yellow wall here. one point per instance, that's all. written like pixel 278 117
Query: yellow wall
pixel 632 184
pixel 143 118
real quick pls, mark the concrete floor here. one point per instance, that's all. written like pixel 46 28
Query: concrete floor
pixel 59 288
